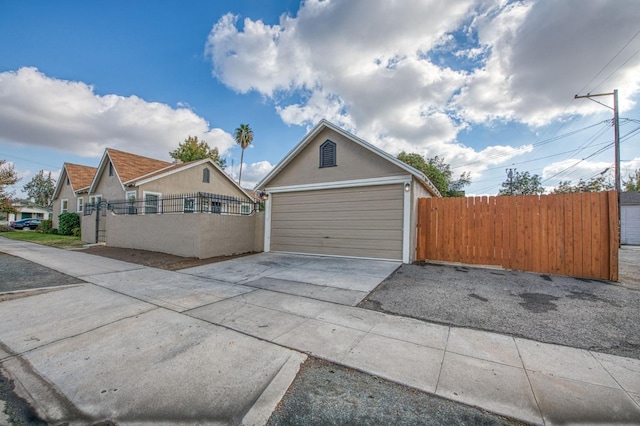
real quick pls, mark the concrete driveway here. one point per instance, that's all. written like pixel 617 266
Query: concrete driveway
pixel 332 279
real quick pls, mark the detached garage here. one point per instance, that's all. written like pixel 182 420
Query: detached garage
pixel 630 218
pixel 337 195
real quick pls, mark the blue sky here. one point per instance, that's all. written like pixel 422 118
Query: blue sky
pixel 488 85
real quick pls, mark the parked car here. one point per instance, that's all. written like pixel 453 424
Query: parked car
pixel 25 224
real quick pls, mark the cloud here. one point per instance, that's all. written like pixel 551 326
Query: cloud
pixel 412 75
pixel 251 173
pixel 68 116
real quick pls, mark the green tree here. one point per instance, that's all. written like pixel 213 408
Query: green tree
pixel 439 173
pixel 41 188
pixel 192 149
pixel 595 184
pixel 633 184
pixel 8 176
pixel 244 137
pixel 522 184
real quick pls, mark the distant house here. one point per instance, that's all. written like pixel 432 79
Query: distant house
pixel 71 190
pixel 630 218
pixel 27 209
pixel 125 176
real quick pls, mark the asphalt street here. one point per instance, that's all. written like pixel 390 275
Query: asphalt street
pixel 588 314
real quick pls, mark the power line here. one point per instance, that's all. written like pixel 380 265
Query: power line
pixel 30 161
pixel 534 145
pixel 608 63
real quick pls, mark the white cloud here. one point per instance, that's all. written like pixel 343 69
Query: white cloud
pixel 371 67
pixel 251 173
pixel 38 110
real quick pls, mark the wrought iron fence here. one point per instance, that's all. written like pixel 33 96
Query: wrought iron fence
pixel 199 202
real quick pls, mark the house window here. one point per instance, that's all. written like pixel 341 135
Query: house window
pixel 80 205
pixel 68 181
pixel 328 154
pixel 95 199
pixel 216 207
pixel 65 206
pixel 152 202
pixel 110 169
pixel 189 205
pixel 205 175
pixel 245 209
pixel 131 203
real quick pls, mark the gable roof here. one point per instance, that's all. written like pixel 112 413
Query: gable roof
pixel 80 177
pixel 127 166
pixel 325 124
pixel 175 168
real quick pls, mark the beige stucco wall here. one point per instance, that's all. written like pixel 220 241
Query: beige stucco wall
pixel 258 244
pixel 109 187
pixel 88 228
pixel 66 192
pixel 199 235
pixel 223 235
pixel 353 162
pixel 417 191
pixel 189 181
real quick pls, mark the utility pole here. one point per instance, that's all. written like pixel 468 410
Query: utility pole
pixel 616 141
pixel 510 177
pixel 616 129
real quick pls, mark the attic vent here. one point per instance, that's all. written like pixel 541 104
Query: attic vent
pixel 328 154
pixel 205 175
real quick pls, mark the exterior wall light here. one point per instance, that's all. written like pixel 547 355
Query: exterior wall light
pixel 407 187
pixel 264 196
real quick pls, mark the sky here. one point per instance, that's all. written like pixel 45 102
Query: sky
pixel 487 85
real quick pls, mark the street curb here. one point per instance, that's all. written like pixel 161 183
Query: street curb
pixel 261 410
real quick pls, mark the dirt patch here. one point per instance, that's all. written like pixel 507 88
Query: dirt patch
pixel 154 259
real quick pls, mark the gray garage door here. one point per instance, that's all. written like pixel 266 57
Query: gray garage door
pixel 630 225
pixel 359 222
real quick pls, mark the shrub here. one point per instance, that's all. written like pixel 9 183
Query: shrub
pixel 6 228
pixel 45 226
pixel 67 222
pixel 53 231
pixel 76 232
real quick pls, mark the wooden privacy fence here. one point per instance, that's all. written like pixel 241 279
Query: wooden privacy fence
pixel 566 234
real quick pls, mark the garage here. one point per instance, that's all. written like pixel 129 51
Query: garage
pixel 335 194
pixel 357 221
pixel 630 218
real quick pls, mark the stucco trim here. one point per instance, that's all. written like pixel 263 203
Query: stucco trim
pixel 406 224
pixel 324 124
pixel 390 180
pixel 267 225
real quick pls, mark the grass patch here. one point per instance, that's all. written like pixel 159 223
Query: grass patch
pixel 53 240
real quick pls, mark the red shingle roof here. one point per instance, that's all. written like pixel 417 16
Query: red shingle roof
pixel 79 176
pixel 131 166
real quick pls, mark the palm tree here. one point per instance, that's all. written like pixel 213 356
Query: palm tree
pixel 244 137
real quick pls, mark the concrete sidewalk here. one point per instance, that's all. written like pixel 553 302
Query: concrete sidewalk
pixel 527 380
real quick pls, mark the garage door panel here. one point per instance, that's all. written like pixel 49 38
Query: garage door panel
pixel 327 207
pixel 340 225
pixel 361 222
pixel 385 253
pixel 333 216
pixel 347 233
pixel 317 197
